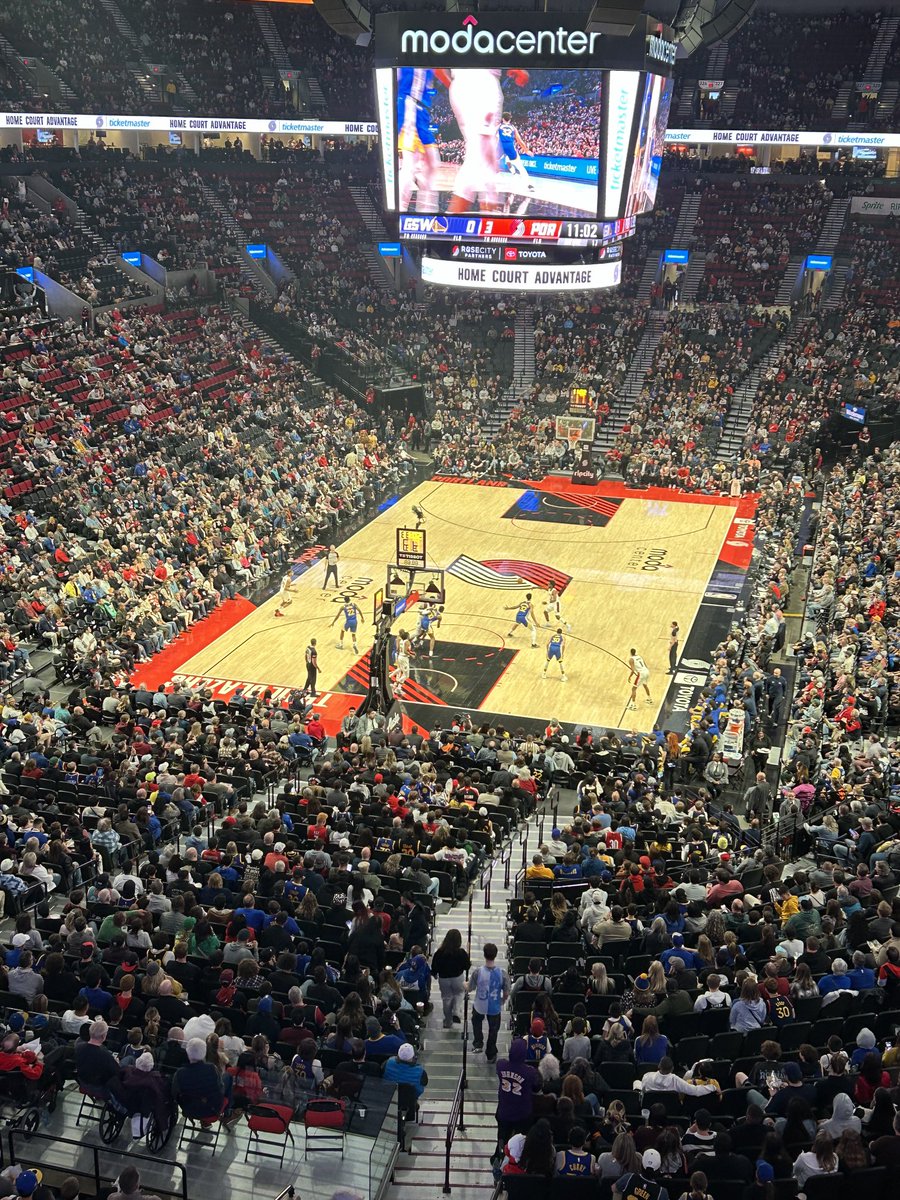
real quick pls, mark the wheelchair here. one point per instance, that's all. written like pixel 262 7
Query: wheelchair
pixel 114 1117
pixel 22 1101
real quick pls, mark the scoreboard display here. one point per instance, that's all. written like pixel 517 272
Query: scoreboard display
pixel 517 127
pixel 533 231
pixel 580 404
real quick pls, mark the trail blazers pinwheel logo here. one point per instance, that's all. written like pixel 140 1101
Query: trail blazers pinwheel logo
pixel 508 574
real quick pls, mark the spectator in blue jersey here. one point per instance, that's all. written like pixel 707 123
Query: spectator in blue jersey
pixel 691 960
pixel 255 917
pixel 569 868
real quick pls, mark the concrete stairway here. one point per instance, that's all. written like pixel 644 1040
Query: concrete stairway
pixel 884 39
pixel 830 233
pixel 371 217
pixel 316 95
pixel 523 371
pixel 717 60
pixel 687 218
pixel 252 330
pixel 888 96
pixel 790 279
pixel 714 68
pixel 272 37
pixel 151 85
pixel 523 354
pixel 632 383
pixel 499 414
pixel 421 1173
pixel 728 103
pixel 648 275
pixel 741 408
pixel 685 108
pixel 40 76
pixel 692 278
pixel 836 285
pixel 841 111
pixel 251 270
pixel 187 92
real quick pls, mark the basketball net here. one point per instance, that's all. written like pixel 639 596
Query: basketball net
pixel 573 437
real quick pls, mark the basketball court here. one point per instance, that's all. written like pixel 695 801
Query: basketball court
pixel 627 563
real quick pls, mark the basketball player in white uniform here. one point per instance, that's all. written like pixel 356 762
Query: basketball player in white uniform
pixel 553 609
pixel 401 665
pixel 284 594
pixel 640 675
pixel 476 98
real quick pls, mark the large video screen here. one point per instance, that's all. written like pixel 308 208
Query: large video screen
pixel 649 144
pixel 498 142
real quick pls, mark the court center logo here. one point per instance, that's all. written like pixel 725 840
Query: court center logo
pixel 507 574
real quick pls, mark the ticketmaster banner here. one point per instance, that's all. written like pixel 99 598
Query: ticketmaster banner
pixel 779 137
pixel 163 124
pixel 287 127
pixel 876 206
pixel 561 168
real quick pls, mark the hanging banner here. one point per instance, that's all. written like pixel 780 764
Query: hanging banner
pixel 778 137
pixel 876 206
pixel 164 124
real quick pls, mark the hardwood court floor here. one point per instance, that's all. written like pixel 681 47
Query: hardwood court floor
pixel 628 564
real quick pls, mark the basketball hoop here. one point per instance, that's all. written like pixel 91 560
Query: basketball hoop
pixel 573 430
pixel 573 437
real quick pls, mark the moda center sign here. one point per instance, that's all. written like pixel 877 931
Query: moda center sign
pixel 507 39
pixel 505 43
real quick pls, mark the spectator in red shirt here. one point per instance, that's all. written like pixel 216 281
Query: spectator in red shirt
pixel 193 777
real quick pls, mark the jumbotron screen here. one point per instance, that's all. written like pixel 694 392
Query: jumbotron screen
pixel 649 144
pixel 488 141
pixel 519 128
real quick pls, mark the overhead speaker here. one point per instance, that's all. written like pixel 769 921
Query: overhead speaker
pixel 614 17
pixel 734 14
pixel 689 20
pixel 697 23
pixel 349 18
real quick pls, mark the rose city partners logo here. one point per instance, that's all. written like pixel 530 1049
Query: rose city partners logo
pixel 507 574
pixel 574 43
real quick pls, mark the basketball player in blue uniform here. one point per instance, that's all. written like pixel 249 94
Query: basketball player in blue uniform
pixel 350 611
pixel 429 619
pixel 511 145
pixel 524 611
pixel 419 157
pixel 556 648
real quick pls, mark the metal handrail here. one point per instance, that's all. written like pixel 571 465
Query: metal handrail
pixel 96 1151
pixel 485 882
pixel 456 1120
pixel 465 1037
